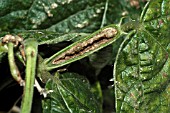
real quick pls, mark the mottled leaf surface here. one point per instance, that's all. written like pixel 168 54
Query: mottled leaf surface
pixel 71 95
pixel 63 15
pixel 65 20
pixel 54 15
pixel 142 69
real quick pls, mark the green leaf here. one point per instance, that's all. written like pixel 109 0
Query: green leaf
pixel 49 37
pixel 63 15
pixel 71 95
pixel 142 68
pixel 13 20
pixel 7 6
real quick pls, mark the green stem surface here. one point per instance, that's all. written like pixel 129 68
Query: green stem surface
pixel 31 57
pixel 13 68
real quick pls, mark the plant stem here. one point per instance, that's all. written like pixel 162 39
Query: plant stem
pixel 129 26
pixel 31 57
pixel 13 68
